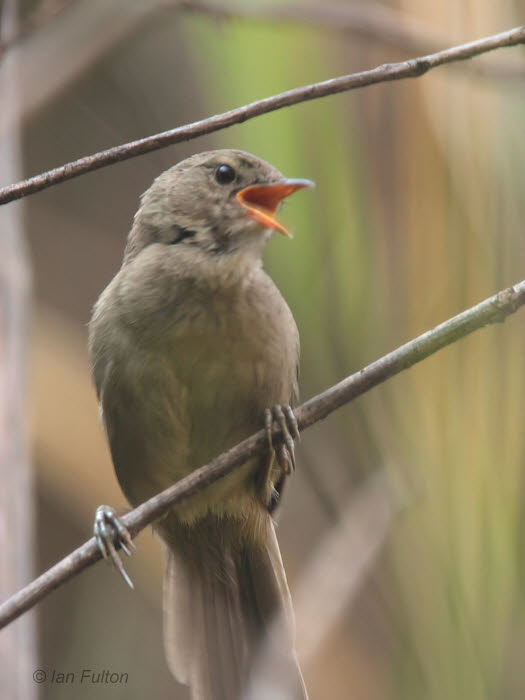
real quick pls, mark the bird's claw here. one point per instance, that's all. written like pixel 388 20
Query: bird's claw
pixel 285 452
pixel 109 531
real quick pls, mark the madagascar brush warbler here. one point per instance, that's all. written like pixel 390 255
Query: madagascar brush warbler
pixel 193 349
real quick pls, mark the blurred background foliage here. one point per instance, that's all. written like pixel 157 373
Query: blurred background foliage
pixel 418 213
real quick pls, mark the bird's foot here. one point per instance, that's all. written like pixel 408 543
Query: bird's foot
pixel 110 533
pixel 285 451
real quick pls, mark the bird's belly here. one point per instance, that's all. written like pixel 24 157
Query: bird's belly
pixel 194 398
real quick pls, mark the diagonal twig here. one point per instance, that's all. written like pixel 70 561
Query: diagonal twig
pixel 492 310
pixel 386 73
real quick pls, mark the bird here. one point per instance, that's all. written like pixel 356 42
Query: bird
pixel 193 349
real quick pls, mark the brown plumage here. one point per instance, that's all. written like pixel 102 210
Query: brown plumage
pixel 190 343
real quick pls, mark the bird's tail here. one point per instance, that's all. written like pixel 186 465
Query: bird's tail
pixel 228 618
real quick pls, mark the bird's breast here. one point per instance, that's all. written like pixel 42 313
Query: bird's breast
pixel 235 353
pixel 193 379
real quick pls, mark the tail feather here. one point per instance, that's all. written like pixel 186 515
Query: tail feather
pixel 228 622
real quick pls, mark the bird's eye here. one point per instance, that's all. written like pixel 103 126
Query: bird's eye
pixel 224 174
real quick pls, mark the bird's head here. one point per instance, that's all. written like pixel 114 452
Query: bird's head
pixel 220 201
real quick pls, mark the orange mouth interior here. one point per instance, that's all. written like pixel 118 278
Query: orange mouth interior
pixel 262 201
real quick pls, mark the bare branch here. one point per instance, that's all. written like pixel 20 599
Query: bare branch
pixel 43 28
pixel 385 73
pixel 492 310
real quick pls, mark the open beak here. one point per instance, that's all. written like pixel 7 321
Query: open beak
pixel 262 201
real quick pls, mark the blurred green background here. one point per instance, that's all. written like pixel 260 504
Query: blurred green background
pixel 418 213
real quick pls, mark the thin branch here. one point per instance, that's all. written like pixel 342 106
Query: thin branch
pixel 385 73
pixel 56 23
pixel 492 310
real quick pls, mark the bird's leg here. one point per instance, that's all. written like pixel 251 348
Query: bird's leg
pixel 109 531
pixel 284 453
